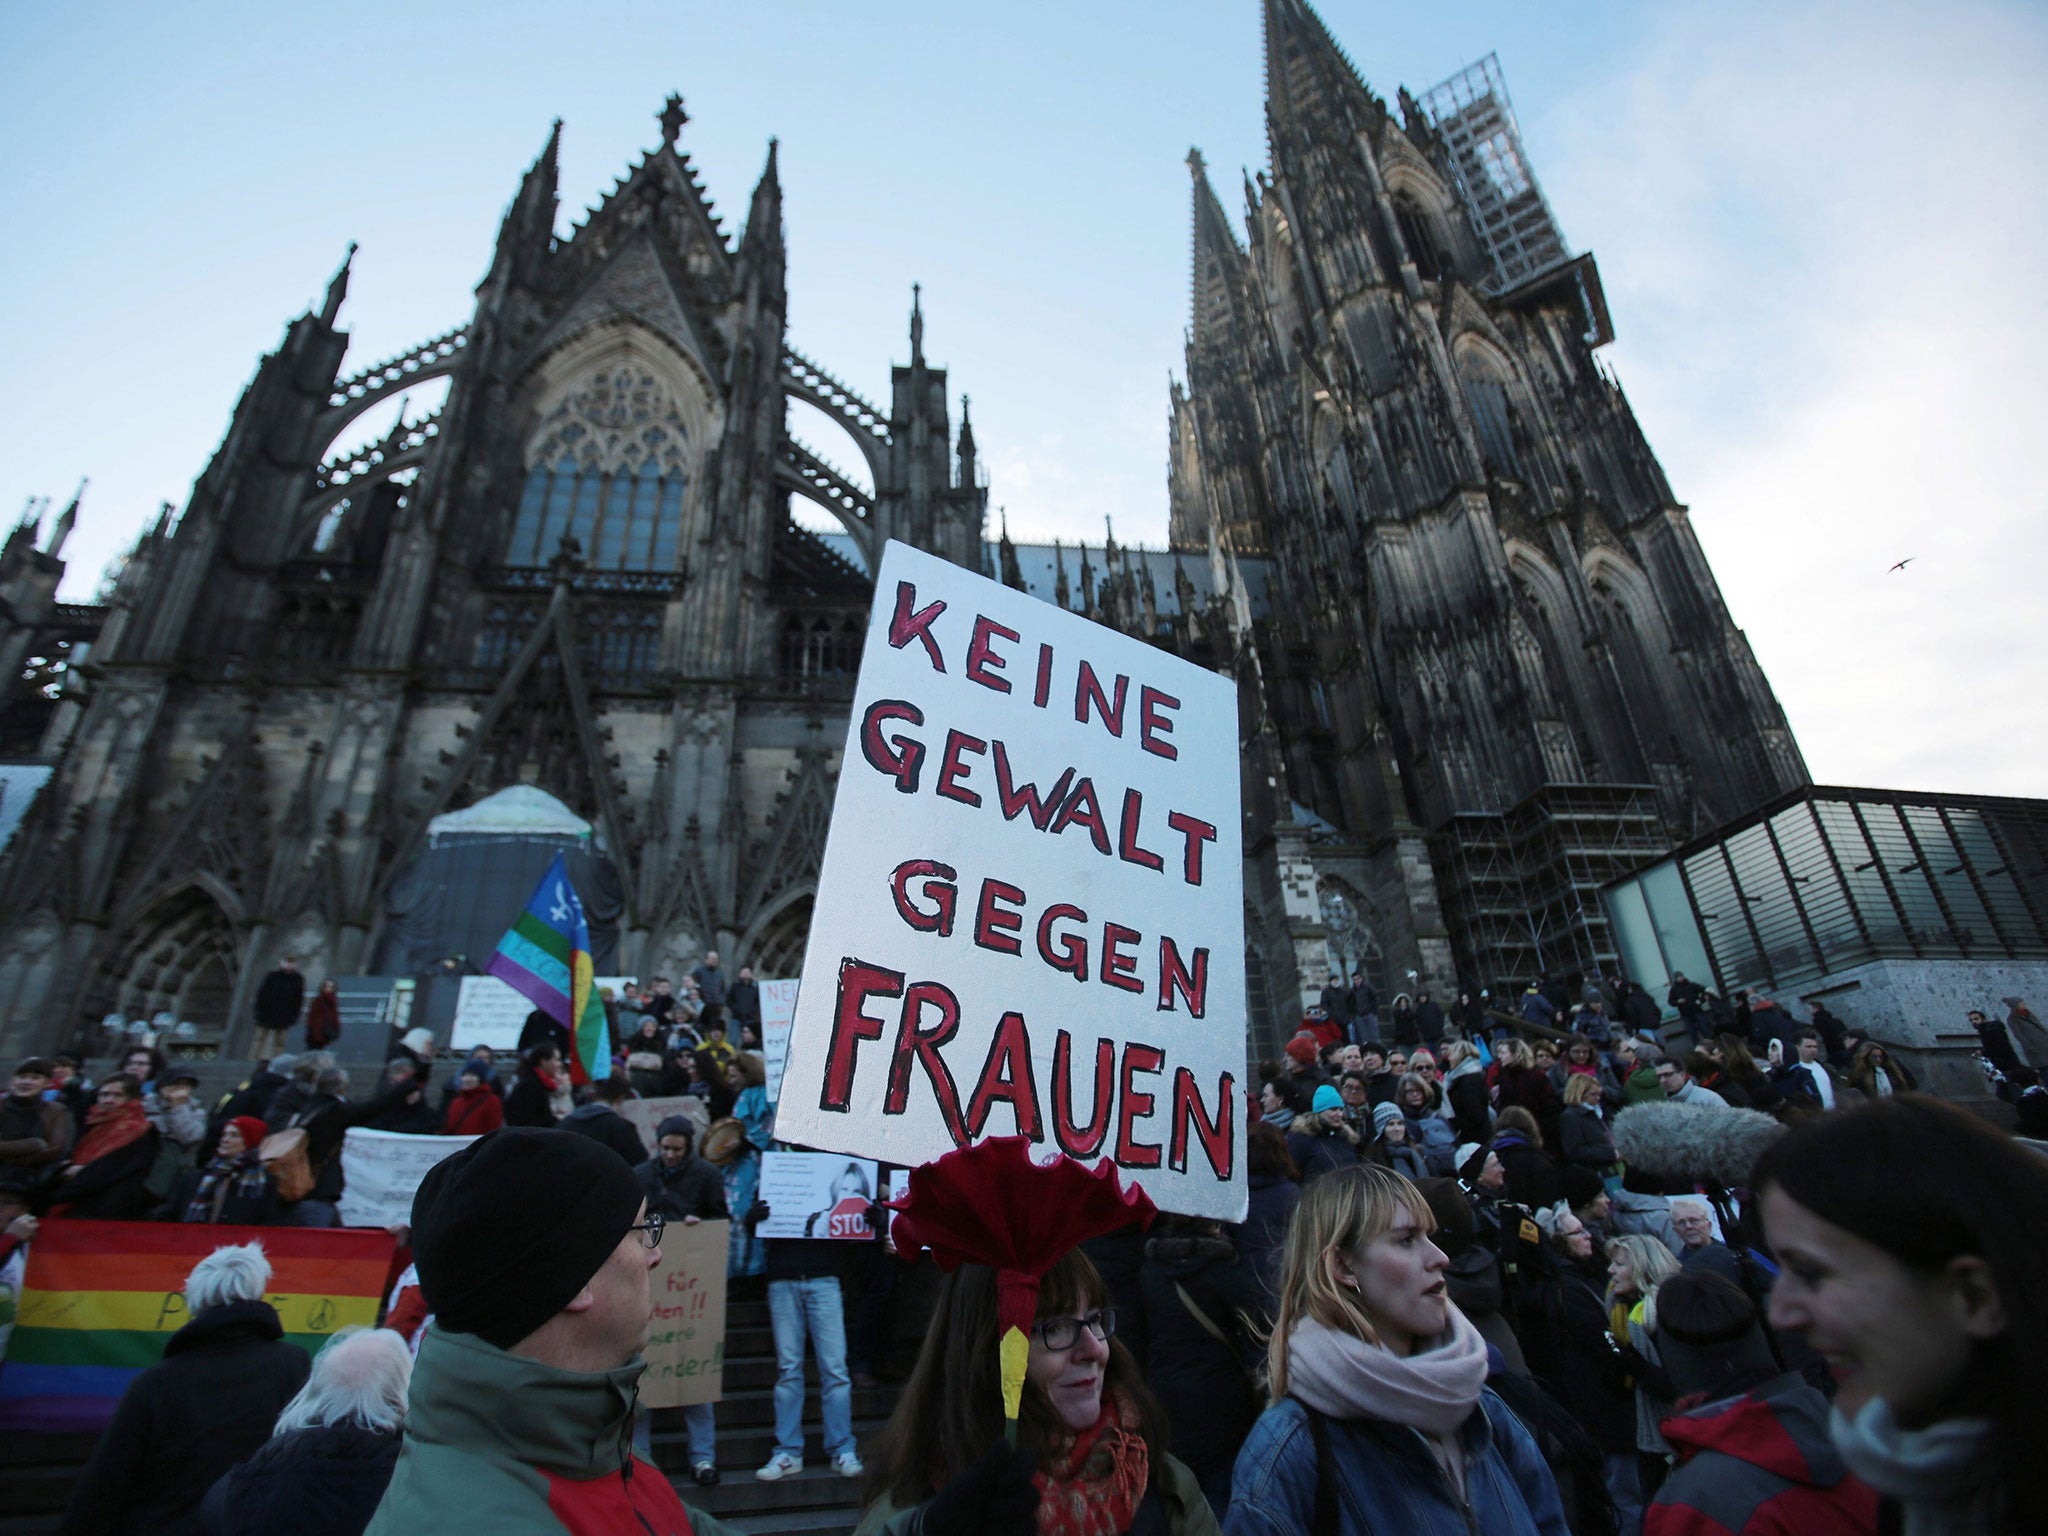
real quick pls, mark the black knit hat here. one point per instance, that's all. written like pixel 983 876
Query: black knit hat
pixel 509 1229
pixel 1710 1337
pixel 1581 1186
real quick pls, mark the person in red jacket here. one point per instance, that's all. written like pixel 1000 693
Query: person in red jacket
pixel 474 1109
pixel 1754 1457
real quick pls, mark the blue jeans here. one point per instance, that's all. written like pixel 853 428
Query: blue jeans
pixel 794 1308
pixel 698 1422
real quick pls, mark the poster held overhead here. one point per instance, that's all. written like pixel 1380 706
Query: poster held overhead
pixel 1030 916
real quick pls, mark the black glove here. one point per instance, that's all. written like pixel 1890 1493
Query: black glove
pixel 994 1497
pixel 756 1214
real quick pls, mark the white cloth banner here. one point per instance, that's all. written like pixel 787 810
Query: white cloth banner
pixel 1030 917
pixel 381 1172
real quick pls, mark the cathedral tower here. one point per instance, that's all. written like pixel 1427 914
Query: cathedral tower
pixel 1494 668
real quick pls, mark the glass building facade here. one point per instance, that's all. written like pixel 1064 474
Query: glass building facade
pixel 1826 878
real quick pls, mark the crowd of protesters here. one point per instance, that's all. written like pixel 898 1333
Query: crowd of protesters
pixel 1451 1306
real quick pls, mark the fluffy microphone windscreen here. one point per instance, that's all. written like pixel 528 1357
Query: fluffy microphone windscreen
pixel 1694 1141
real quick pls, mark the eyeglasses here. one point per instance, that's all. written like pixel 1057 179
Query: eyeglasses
pixel 652 1227
pixel 1065 1332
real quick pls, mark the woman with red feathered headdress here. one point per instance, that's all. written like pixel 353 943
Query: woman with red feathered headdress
pixel 1090 1456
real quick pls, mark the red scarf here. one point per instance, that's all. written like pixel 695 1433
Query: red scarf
pixel 109 1130
pixel 1093 1484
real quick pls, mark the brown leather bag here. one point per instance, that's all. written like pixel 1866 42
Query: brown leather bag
pixel 284 1154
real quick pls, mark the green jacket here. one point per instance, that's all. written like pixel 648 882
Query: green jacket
pixel 501 1444
pixel 1187 1511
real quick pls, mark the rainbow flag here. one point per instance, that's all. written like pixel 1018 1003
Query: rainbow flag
pixel 545 956
pixel 100 1299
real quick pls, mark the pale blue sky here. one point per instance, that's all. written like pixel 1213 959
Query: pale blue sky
pixel 1821 229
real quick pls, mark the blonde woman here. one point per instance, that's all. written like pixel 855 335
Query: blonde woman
pixel 1381 1420
pixel 1636 1267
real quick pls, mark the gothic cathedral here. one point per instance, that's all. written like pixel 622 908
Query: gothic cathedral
pixel 1483 665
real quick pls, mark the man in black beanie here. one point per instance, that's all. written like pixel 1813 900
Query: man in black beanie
pixel 1756 1459
pixel 533 1249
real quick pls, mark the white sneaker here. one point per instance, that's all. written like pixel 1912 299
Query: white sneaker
pixel 780 1465
pixel 847 1464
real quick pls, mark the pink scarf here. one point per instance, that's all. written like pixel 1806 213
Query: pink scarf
pixel 1433 1391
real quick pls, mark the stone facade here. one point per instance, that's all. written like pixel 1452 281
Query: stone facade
pixel 579 573
pixel 1410 513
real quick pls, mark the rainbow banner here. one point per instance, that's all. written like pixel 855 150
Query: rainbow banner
pixel 100 1299
pixel 545 957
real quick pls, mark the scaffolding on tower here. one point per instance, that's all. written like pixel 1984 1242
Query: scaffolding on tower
pixel 1471 113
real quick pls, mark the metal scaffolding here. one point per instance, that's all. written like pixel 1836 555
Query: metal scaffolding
pixel 1472 114
pixel 1521 888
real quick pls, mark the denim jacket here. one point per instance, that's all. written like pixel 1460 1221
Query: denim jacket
pixel 1386 1481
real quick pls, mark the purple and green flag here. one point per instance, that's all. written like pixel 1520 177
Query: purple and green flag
pixel 545 956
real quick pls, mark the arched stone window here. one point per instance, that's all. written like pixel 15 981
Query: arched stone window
pixel 609 465
pixel 1484 381
pixel 1421 233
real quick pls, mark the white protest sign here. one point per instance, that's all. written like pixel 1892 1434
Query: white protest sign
pixel 810 1194
pixel 491 1012
pixel 381 1172
pixel 778 1007
pixel 1030 918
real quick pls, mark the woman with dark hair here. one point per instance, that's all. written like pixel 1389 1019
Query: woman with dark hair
pixel 107 1178
pixel 531 1101
pixel 1910 1238
pixel 1381 1419
pixel 323 1017
pixel 1740 1067
pixel 1520 1084
pixel 1875 1074
pixel 1581 1058
pixel 1532 1178
pixel 1091 1439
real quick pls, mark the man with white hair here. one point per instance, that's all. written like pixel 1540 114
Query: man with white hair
pixel 325 1469
pixel 1693 1220
pixel 210 1402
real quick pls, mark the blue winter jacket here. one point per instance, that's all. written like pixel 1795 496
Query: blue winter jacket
pixel 1385 1480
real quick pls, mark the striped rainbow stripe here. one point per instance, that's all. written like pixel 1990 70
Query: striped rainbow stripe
pixel 100 1299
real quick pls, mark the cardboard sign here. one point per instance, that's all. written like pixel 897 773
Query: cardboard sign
pixel 778 1007
pixel 488 1012
pixel 381 1172
pixel 1030 918
pixel 814 1194
pixel 686 1337
pixel 896 1184
pixel 646 1115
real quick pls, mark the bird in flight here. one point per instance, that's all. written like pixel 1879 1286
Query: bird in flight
pixel 1901 565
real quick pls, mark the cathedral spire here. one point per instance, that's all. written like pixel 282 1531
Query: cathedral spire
pixel 764 216
pixel 1309 81
pixel 966 450
pixel 1218 259
pixel 916 325
pixel 66 521
pixel 337 288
